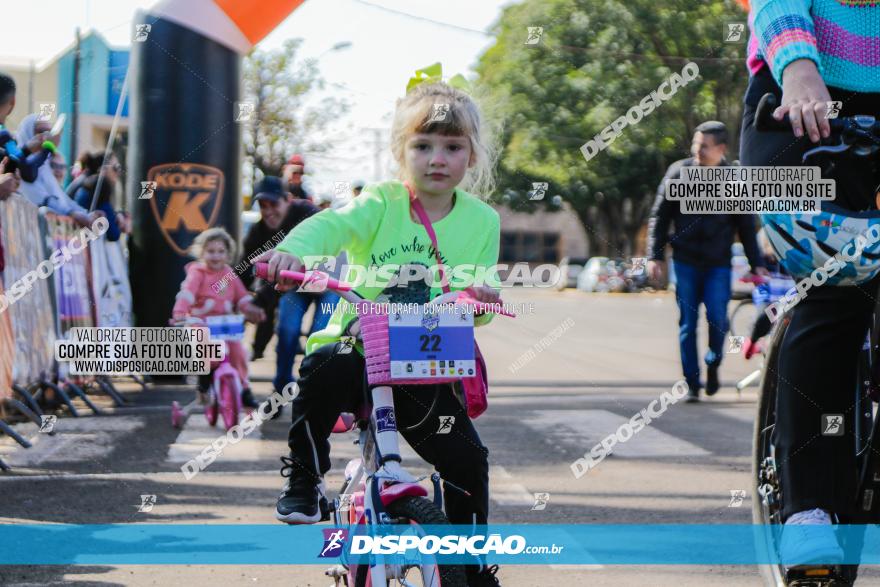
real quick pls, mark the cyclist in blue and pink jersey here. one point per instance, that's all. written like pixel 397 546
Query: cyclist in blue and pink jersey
pixel 816 56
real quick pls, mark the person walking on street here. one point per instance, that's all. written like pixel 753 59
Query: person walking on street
pixel 701 259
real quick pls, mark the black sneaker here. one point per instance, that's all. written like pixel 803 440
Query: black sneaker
pixel 712 383
pixel 484 578
pixel 298 502
pixel 280 409
pixel 256 355
pixel 247 398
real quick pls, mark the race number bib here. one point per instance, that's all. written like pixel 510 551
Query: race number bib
pixel 226 327
pixel 431 343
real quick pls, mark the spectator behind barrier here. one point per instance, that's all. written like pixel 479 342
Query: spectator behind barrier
pixel 45 191
pixel 85 195
pixel 59 167
pixel 25 159
pixel 86 164
pixel 8 181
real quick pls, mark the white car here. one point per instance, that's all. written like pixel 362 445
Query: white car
pixel 569 269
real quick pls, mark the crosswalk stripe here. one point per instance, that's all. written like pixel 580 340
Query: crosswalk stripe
pixel 504 491
pixel 584 429
pixel 743 414
pixel 198 434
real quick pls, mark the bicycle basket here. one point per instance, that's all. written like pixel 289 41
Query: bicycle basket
pixel 377 349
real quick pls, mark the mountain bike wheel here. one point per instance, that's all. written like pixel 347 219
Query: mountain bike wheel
pixel 743 318
pixel 228 402
pixel 419 511
pixel 767 495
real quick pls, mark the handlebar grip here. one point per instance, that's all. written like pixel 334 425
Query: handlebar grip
pixel 764 121
pixel 261 270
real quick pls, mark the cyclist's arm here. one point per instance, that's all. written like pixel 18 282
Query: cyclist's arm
pixel 186 297
pixel 785 33
pixel 244 301
pixel 749 238
pixel 351 227
pixel 660 220
pixel 243 298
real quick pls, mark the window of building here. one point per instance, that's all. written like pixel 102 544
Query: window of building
pixel 529 247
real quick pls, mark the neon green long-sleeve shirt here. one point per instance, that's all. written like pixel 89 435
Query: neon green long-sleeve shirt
pixel 376 230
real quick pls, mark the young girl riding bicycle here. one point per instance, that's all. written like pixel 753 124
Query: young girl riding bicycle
pixel 211 288
pixel 440 142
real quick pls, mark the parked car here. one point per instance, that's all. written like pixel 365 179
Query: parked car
pixel 569 269
pixel 601 274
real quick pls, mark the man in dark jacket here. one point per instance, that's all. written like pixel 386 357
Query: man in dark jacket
pixel 701 259
pixel 278 215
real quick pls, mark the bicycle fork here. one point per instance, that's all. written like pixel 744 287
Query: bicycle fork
pixel 388 468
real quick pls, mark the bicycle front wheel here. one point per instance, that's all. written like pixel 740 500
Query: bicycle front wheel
pixel 743 317
pixel 767 491
pixel 419 512
pixel 229 402
pixel 211 410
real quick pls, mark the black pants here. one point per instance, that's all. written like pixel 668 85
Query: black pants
pixel 819 355
pixel 332 382
pixel 266 329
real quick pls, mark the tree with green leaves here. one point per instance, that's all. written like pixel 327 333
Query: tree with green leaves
pixel 284 121
pixel 592 62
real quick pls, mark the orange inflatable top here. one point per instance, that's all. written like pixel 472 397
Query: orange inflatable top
pixel 256 18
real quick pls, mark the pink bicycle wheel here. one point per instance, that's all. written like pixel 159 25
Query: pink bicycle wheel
pixel 418 511
pixel 228 402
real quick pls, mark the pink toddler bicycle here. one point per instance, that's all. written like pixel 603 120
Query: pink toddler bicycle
pixel 421 344
pixel 224 393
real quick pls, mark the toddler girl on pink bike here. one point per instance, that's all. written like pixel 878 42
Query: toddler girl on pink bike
pixel 211 288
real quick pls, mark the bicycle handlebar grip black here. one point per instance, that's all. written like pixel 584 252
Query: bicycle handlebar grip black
pixel 764 120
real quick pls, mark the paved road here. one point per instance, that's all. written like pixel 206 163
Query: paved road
pixel 617 354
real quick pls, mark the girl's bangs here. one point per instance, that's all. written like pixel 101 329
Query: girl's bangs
pixel 431 119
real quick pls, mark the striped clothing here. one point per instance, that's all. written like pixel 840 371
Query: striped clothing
pixel 841 36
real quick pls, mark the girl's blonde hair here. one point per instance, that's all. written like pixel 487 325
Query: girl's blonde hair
pixel 213 234
pixel 416 113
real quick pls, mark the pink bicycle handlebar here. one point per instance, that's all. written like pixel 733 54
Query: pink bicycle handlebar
pixel 262 271
pixel 754 278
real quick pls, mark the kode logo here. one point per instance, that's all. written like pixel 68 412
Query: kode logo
pixel 186 200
